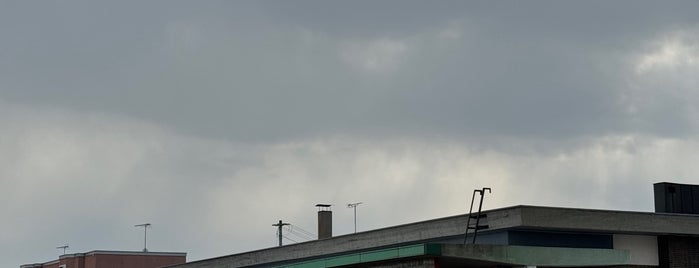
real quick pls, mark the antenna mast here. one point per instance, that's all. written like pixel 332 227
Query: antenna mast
pixel 64 247
pixel 279 230
pixel 145 234
pixel 354 206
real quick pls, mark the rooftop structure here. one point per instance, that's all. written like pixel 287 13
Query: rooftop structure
pixel 113 259
pixel 519 236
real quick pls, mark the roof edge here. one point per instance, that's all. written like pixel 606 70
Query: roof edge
pixel 105 252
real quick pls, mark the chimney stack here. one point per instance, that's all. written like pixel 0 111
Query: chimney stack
pixel 325 221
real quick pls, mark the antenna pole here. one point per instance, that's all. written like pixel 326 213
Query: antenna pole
pixel 145 235
pixel 279 230
pixel 64 247
pixel 354 206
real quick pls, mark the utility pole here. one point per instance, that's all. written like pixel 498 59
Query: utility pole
pixel 145 235
pixel 279 230
pixel 64 247
pixel 354 206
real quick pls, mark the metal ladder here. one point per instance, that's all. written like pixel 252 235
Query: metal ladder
pixel 478 216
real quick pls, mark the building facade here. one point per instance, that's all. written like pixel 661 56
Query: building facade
pixel 113 259
pixel 520 236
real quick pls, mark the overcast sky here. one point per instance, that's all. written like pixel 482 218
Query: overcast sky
pixel 212 120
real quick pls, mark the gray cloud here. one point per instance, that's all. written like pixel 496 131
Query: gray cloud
pixel 212 198
pixel 279 70
pixel 214 120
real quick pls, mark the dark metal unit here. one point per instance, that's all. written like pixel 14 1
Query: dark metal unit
pixel 676 198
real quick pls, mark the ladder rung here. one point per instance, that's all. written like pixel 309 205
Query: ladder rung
pixel 479 216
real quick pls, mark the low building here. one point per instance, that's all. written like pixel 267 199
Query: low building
pixel 519 236
pixel 113 259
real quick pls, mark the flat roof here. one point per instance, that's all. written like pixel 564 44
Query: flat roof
pixel 516 217
pixel 107 252
pixel 119 252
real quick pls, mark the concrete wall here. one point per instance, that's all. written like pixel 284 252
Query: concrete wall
pixel 609 221
pixel 399 235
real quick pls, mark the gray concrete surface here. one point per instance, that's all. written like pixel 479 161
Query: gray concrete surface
pixel 446 229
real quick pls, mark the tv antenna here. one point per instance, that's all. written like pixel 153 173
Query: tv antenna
pixel 279 230
pixel 354 206
pixel 64 247
pixel 145 234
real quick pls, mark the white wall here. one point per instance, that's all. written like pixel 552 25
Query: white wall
pixel 643 248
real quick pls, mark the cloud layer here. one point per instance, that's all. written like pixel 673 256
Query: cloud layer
pixel 214 121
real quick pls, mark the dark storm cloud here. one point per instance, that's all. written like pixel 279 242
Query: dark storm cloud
pixel 275 70
pixel 537 69
pixel 181 113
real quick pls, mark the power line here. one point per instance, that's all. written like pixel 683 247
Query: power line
pixel 292 240
pixel 300 232
pixel 299 235
pixel 304 231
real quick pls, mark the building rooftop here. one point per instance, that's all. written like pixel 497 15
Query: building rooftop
pixel 448 234
pixel 109 253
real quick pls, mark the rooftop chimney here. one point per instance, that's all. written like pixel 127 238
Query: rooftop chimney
pixel 325 221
